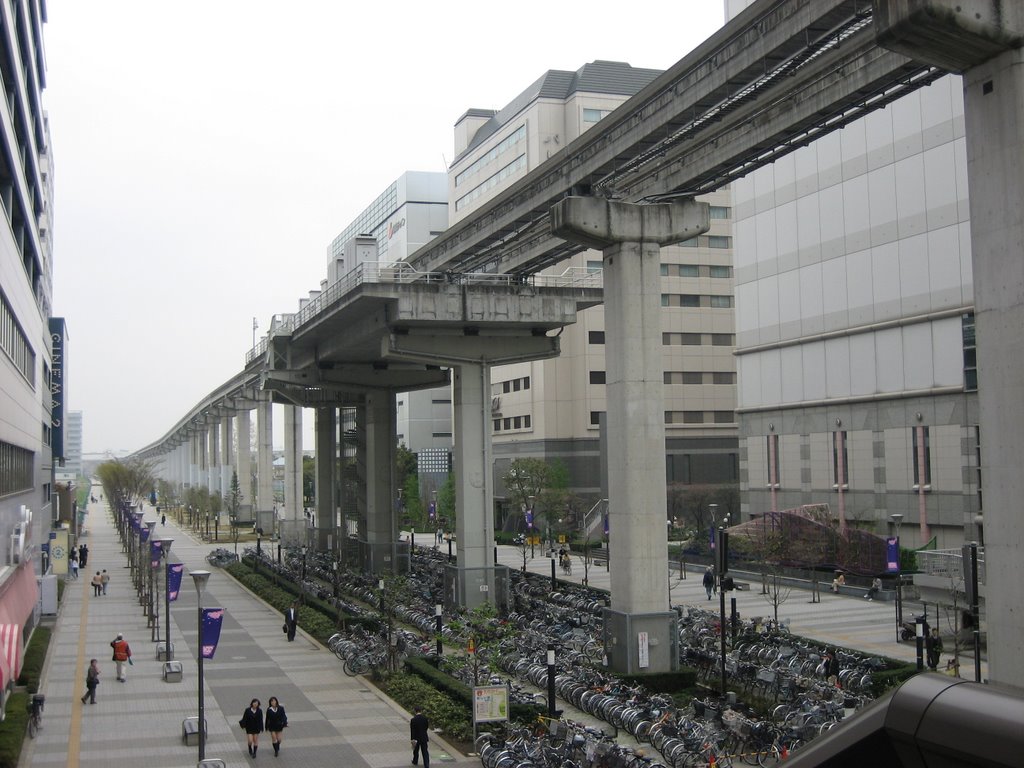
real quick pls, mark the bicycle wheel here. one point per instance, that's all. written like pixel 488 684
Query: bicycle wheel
pixel 33 726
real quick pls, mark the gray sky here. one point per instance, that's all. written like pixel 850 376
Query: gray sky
pixel 207 151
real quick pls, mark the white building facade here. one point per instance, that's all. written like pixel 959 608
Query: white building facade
pixel 855 325
pixel 26 290
pixel 552 409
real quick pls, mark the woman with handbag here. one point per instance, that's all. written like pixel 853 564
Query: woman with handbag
pixel 252 724
pixel 276 721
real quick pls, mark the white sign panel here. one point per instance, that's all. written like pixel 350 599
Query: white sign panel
pixel 490 703
pixel 643 648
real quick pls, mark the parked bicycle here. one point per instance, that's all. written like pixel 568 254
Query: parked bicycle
pixel 35 714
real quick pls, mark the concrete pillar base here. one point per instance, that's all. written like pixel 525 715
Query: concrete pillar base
pixel 384 556
pixel 469 587
pixel 639 643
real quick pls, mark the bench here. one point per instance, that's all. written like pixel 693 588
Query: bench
pixel 190 731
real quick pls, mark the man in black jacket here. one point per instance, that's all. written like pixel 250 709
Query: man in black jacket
pixel 291 620
pixel 418 728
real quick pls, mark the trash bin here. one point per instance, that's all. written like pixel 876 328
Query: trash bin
pixel 172 671
pixel 161 651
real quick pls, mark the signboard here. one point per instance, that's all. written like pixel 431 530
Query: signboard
pixel 490 703
pixel 643 649
pixel 58 334
pixel 59 551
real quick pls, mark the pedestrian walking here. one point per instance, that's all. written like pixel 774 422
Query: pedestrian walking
pixel 933 647
pixel 252 724
pixel 163 520
pixel 291 620
pixel 709 581
pixel 275 722
pixel 104 580
pixel 92 679
pixel 440 537
pixel 122 655
pixel 83 555
pixel 97 584
pixel 74 564
pixel 419 731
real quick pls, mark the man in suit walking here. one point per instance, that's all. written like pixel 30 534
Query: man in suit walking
pixel 291 620
pixel 419 727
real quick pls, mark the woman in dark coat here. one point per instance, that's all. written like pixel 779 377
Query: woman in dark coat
pixel 252 724
pixel 276 722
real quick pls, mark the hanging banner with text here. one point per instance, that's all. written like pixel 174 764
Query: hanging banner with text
pixel 212 619
pixel 156 548
pixel 174 572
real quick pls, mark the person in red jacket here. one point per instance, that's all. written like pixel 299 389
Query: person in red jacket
pixel 122 656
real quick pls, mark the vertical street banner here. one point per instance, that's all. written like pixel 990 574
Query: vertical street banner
pixel 58 336
pixel 174 572
pixel 212 619
pixel 892 554
pixel 59 551
pixel 156 550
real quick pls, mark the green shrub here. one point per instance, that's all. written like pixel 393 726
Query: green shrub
pixel 452 718
pixel 889 678
pixel 61 585
pixel 13 729
pixel 35 657
pixel 426 669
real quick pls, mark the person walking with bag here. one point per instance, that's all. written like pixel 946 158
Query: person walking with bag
pixel 97 584
pixel 419 728
pixel 92 679
pixel 122 655
pixel 709 581
pixel 276 721
pixel 252 724
pixel 291 620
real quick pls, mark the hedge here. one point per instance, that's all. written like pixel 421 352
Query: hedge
pixel 450 717
pixel 13 730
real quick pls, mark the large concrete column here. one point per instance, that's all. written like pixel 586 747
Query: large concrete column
pixel 987 49
pixel 264 502
pixel 202 460
pixel 381 529
pixel 243 456
pixel 226 456
pixel 213 459
pixel 293 522
pixel 639 627
pixel 326 482
pixel 474 477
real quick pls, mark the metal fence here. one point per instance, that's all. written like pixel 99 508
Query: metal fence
pixel 948 564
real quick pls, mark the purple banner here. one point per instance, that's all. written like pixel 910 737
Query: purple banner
pixel 606 525
pixel 174 572
pixel 143 535
pixel 529 519
pixel 432 509
pixel 711 540
pixel 212 619
pixel 156 549
pixel 892 554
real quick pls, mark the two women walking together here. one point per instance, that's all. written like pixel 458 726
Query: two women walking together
pixel 254 722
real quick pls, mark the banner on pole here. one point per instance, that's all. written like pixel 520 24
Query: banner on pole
pixel 174 572
pixel 212 619
pixel 156 548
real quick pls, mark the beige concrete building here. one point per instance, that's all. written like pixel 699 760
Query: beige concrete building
pixel 552 409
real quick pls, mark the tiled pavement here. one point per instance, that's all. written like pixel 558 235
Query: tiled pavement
pixel 334 720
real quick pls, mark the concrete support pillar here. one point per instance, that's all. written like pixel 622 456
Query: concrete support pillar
pixel 226 456
pixel 264 457
pixel 381 528
pixel 639 626
pixel 994 114
pixel 326 481
pixel 202 441
pixel 213 459
pixel 243 456
pixel 988 52
pixel 293 522
pixel 472 459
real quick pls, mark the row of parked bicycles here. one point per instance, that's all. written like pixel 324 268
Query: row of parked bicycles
pixel 765 663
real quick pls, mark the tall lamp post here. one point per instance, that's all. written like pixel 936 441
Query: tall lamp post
pixel 200 578
pixel 165 545
pixel 897 520
pixel 529 522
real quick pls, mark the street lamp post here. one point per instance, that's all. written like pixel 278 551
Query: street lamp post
pixel 529 523
pixel 200 578
pixel 897 520
pixel 168 653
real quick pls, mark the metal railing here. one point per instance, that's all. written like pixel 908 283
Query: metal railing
pixel 403 274
pixel 948 564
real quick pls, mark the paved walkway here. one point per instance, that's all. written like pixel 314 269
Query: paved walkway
pixel 334 720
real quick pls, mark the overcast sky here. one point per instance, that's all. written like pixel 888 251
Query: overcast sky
pixel 206 152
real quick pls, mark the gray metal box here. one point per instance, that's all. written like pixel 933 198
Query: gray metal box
pixel 172 671
pixel 161 651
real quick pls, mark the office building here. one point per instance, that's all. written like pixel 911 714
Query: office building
pixel 855 325
pixel 26 290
